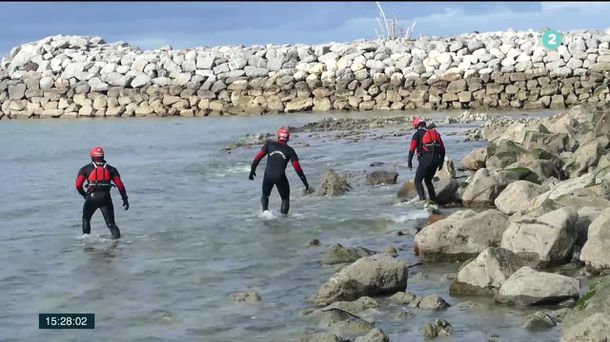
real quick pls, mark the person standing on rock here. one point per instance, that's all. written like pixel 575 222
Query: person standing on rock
pixel 99 175
pixel 430 150
pixel 279 154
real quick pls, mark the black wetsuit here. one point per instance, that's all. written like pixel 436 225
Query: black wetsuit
pixel 279 154
pixel 430 159
pixel 99 176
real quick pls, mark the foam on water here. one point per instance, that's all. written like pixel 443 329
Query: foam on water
pixel 267 215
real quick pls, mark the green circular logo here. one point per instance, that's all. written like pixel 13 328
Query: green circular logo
pixel 551 39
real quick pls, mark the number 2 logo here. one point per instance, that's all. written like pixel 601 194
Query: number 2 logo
pixel 551 39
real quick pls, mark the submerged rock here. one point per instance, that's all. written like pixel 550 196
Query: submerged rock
pixel 375 335
pixel 338 254
pixel 430 302
pixel 402 298
pixel 440 327
pixel 321 337
pixel 370 276
pixel 344 324
pixel 246 297
pixel 354 307
pixel 538 320
pixel 529 287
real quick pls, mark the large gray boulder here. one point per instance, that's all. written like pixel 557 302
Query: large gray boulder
pixel 530 287
pixel 486 273
pixel 543 241
pixel 462 235
pixel 370 276
pixel 596 251
pixel 446 190
pixel 516 197
pixel 485 187
pixel 564 188
pixel 586 156
pixel 590 319
pixel 475 159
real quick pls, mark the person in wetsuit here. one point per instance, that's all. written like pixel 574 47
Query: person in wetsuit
pixel 430 150
pixel 278 155
pixel 99 176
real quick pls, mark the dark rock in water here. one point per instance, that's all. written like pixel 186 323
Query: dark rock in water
pixel 376 164
pixel 430 302
pixel 407 191
pixel 246 297
pixel 440 327
pixel 333 184
pixel 338 254
pixel 538 321
pixel 344 323
pixel 400 233
pixel 381 177
pixel 314 243
pixel 375 335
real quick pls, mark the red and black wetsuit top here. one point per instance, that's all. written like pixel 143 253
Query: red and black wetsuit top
pixel 278 155
pixel 435 152
pixel 99 176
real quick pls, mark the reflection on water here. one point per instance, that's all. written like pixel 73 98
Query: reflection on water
pixel 194 235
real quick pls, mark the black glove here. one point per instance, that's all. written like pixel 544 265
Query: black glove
pixel 125 203
pixel 410 167
pixel 251 176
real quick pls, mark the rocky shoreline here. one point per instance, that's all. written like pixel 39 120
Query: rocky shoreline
pixel 73 76
pixel 532 231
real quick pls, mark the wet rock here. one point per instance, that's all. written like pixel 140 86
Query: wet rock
pixel 321 337
pixel 404 315
pixel 440 327
pixel 486 273
pixel 381 177
pixel 543 241
pixel 430 302
pixel 485 187
pixel 391 251
pixel 338 254
pixel 370 276
pixel 376 164
pixel 434 218
pixel 360 304
pixel 595 253
pixel 333 184
pixel 407 191
pixel 475 159
pixel 529 287
pixel 516 197
pixel 462 235
pixel 401 298
pixel 538 321
pixel 344 324
pixel 375 335
pixel 246 297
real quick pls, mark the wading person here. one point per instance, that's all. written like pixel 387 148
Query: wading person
pixel 430 150
pixel 278 155
pixel 99 176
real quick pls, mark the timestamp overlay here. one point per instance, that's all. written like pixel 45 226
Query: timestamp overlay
pixel 66 321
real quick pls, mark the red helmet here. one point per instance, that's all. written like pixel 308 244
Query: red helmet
pixel 283 134
pixel 416 122
pixel 97 152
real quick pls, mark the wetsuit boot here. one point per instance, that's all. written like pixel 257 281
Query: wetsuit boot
pixel 265 202
pixel 285 206
pixel 114 230
pixel 86 226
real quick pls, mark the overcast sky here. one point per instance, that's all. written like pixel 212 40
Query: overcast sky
pixel 189 24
